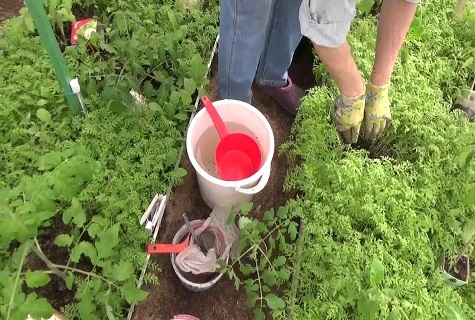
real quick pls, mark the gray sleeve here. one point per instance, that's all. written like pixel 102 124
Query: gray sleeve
pixel 326 22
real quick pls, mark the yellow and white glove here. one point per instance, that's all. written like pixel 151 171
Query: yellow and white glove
pixel 348 115
pixel 377 111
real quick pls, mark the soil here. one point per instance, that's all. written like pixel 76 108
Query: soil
pixel 10 8
pixel 222 301
pixel 377 149
pixel 55 291
pixel 458 271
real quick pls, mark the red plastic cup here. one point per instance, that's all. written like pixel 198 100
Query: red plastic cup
pixel 237 155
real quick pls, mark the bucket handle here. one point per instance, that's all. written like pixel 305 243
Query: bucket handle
pixel 259 187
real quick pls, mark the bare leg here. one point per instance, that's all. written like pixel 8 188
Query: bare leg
pixel 394 22
pixel 340 64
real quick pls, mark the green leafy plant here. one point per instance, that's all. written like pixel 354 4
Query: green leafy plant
pixel 168 75
pixel 259 257
pixel 377 297
pixel 399 208
pixel 93 176
pixel 466 221
pixel 59 13
pixel 29 206
pixel 464 12
pixel 367 6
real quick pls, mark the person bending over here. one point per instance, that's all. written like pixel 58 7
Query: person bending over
pixel 359 105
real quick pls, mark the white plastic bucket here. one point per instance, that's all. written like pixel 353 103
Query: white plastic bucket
pixel 179 237
pixel 202 139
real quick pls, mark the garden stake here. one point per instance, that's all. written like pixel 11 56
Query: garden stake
pixel 297 269
pixel 48 39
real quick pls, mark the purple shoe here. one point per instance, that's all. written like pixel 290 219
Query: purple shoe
pixel 288 97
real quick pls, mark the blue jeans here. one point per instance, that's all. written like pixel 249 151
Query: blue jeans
pixel 257 39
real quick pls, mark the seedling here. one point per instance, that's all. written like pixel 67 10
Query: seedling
pixel 260 257
pixel 457 273
pixel 466 100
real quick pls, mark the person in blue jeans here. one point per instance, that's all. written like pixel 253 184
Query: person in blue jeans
pixel 258 39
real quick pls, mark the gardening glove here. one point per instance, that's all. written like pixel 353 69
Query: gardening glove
pixel 348 115
pixel 377 111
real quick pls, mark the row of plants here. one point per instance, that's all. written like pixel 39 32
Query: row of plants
pixel 72 189
pixel 377 228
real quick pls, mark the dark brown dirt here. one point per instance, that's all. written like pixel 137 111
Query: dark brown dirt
pixel 459 270
pixel 222 301
pixel 10 8
pixel 377 149
pixel 55 291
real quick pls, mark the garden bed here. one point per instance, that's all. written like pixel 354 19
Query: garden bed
pixel 10 8
pixel 85 181
pixel 375 221
pixel 376 227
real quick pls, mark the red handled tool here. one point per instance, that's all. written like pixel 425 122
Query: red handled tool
pixel 154 248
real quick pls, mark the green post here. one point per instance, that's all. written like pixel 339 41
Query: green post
pixel 37 11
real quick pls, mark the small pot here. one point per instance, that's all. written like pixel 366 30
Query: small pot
pixel 466 103
pixel 457 278
pixel 201 282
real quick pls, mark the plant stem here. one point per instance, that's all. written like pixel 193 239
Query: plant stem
pixel 47 176
pixel 17 278
pixel 89 274
pixel 258 246
pixel 77 241
pixel 37 249
pixel 465 247
pixel 260 284
pixel 248 250
pixel 295 277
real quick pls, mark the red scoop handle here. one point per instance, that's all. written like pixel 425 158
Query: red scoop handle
pixel 154 248
pixel 217 121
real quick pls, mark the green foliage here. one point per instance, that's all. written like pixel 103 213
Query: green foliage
pixel 167 74
pixel 59 13
pixel 369 6
pixel 402 212
pixel 261 256
pixel 376 298
pixel 86 180
pixel 465 12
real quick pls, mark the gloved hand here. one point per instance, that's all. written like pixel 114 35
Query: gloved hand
pixel 348 115
pixel 377 111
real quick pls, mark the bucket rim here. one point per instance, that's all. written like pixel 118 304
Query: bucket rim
pixel 179 234
pixel 223 183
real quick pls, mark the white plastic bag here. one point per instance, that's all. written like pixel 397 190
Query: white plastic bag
pixel 193 260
